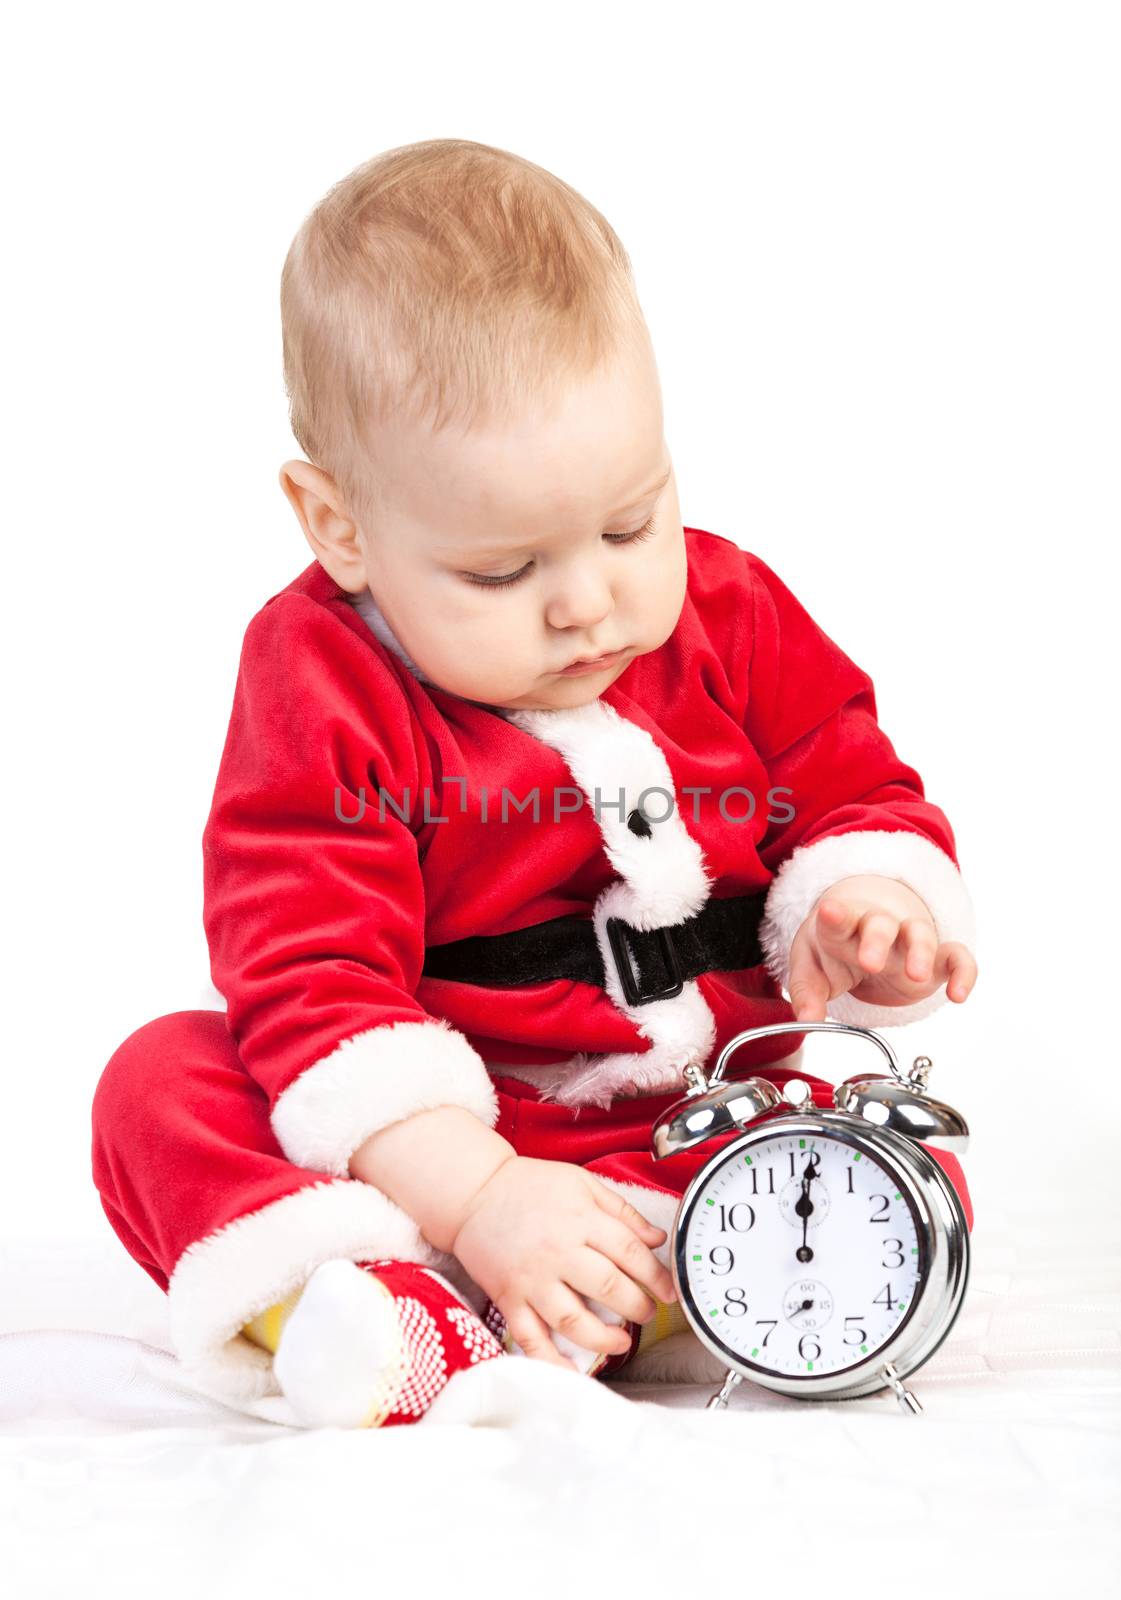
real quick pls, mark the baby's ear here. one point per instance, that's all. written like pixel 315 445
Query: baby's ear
pixel 328 528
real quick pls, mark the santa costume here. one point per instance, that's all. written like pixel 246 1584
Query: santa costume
pixel 414 900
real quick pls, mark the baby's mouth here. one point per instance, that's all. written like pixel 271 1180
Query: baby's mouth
pixel 583 664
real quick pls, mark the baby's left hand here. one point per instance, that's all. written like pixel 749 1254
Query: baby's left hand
pixel 873 937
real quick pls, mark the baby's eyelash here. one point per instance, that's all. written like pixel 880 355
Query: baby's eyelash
pixel 632 538
pixel 614 538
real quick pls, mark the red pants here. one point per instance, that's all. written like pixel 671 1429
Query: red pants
pixel 196 1187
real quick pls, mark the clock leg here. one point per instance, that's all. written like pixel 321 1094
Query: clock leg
pixel 908 1401
pixel 721 1398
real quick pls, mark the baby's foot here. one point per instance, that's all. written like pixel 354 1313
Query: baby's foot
pixel 371 1344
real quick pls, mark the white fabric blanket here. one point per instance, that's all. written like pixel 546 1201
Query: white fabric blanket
pixel 537 1480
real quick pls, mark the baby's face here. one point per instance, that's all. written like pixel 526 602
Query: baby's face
pixel 502 555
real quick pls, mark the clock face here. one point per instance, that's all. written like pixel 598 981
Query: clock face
pixel 802 1255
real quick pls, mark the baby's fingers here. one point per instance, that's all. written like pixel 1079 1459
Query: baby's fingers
pixel 960 969
pixel 808 985
pixel 921 944
pixel 531 1334
pixel 633 1268
pixel 878 931
pixel 835 922
pixel 564 1309
pixel 611 1201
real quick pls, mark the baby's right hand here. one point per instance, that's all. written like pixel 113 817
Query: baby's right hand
pixel 539 1231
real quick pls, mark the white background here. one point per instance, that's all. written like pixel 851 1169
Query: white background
pixel 878 250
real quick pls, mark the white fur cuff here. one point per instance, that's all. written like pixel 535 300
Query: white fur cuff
pixel 224 1280
pixel 812 869
pixel 381 1076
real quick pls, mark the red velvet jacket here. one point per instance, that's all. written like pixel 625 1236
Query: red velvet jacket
pixel 317 925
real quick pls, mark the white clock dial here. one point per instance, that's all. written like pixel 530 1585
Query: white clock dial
pixel 802 1255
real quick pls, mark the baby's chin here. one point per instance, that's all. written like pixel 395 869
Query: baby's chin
pixel 554 692
pixel 556 702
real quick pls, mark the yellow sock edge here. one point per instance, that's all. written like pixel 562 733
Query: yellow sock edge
pixel 267 1326
pixel 667 1319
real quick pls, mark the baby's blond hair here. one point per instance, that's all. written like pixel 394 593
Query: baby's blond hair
pixel 449 281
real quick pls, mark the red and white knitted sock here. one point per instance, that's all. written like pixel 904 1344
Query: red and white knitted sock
pixel 371 1344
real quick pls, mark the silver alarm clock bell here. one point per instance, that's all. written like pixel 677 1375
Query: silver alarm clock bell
pixel 823 1254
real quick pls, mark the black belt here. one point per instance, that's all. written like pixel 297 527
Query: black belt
pixel 654 965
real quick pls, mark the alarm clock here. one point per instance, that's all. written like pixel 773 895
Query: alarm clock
pixel 823 1253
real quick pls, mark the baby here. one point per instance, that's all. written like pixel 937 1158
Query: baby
pixel 531 799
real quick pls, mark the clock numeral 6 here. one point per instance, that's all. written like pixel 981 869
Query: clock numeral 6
pixel 808 1355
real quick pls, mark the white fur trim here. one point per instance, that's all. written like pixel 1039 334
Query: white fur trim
pixel 812 869
pixel 663 880
pixel 223 1281
pixel 616 763
pixel 373 1079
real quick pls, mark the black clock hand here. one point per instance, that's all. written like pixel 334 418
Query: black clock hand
pixel 804 1208
pixel 804 1205
pixel 811 1171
